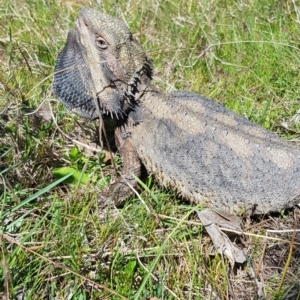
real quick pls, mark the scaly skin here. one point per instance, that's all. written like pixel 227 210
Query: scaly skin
pixel 193 145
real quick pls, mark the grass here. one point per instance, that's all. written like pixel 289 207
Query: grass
pixel 244 54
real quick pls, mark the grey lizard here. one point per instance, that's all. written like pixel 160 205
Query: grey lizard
pixel 203 151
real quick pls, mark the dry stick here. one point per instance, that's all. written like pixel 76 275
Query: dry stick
pixel 7 184
pixel 102 130
pixel 237 231
pixel 288 261
pixel 260 285
pixel 58 265
pixel 260 292
pixel 25 58
pixel 5 272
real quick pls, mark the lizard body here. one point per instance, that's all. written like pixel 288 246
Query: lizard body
pixel 204 151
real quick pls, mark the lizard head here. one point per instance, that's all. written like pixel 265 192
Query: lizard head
pixel 101 64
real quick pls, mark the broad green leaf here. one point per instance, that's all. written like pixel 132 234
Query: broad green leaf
pixel 74 179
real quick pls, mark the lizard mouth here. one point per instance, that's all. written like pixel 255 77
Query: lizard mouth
pixel 117 98
pixel 110 102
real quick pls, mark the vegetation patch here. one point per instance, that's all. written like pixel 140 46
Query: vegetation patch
pixel 55 241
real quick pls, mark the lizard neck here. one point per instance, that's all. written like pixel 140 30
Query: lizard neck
pixel 146 92
pixel 146 95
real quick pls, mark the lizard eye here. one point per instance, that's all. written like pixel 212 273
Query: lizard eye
pixel 101 43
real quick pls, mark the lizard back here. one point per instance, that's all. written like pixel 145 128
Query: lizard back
pixel 211 155
pixel 207 153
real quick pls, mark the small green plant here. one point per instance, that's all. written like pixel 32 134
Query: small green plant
pixel 78 168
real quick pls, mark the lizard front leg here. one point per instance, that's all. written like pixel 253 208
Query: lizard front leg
pixel 118 191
